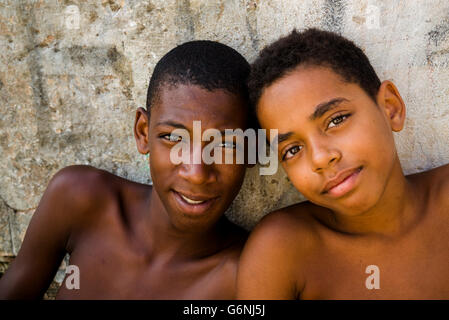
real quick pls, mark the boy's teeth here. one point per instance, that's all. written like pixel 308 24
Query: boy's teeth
pixel 192 201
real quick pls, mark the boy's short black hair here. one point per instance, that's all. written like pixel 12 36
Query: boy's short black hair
pixel 208 64
pixel 316 48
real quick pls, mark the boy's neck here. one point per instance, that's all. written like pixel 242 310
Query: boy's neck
pixel 166 240
pixel 397 210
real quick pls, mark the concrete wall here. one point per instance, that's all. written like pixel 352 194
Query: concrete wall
pixel 72 74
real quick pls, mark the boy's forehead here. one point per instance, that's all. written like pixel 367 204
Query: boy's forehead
pixel 189 102
pixel 295 97
pixel 306 87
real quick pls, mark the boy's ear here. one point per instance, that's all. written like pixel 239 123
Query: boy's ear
pixel 141 132
pixel 389 99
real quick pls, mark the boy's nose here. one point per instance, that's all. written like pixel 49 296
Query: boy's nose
pixel 196 171
pixel 323 157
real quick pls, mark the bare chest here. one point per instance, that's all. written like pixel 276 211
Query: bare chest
pixel 416 267
pixel 111 269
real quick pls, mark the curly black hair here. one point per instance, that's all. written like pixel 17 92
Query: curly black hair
pixel 316 48
pixel 208 64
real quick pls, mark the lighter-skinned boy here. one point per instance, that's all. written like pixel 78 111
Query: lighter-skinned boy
pixel 367 231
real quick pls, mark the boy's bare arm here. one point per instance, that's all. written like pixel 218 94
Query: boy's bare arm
pixel 47 237
pixel 269 264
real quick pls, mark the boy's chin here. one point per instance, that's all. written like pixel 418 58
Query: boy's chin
pixel 352 207
pixel 353 204
pixel 192 224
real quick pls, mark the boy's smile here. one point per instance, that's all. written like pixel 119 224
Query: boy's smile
pixel 335 142
pixel 342 183
pixel 191 192
pixel 187 204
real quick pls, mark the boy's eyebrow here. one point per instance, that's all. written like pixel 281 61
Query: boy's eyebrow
pixel 283 136
pixel 181 126
pixel 172 124
pixel 324 107
pixel 320 109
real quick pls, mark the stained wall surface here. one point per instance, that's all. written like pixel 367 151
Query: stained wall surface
pixel 72 74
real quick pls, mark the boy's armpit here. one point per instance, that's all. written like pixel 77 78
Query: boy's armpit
pixel 270 265
pixel 61 211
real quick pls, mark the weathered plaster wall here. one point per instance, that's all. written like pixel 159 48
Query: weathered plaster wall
pixel 72 74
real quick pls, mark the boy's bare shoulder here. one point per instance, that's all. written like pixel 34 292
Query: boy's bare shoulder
pixel 84 191
pixel 436 183
pixel 87 182
pixel 439 178
pixel 274 257
pixel 290 227
pixel 80 184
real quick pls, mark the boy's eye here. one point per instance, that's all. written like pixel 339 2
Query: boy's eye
pixel 291 152
pixel 336 121
pixel 171 137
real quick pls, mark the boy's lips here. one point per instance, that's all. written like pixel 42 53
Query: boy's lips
pixel 342 183
pixel 193 204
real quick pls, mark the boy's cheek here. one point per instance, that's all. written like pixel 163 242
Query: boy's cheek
pixel 301 178
pixel 160 163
